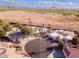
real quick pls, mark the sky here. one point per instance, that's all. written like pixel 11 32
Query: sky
pixel 42 3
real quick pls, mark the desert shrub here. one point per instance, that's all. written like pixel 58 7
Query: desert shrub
pixel 26 31
pixel 18 25
pixel 5 25
pixel 75 40
pixel 4 28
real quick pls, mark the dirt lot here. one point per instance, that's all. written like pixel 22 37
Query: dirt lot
pixel 59 21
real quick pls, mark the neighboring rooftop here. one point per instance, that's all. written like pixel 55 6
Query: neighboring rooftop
pixel 71 50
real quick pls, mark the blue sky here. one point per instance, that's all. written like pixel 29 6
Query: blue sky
pixel 42 3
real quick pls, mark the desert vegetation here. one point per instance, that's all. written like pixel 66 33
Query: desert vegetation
pixel 41 10
pixel 75 40
pixel 26 31
pixel 4 28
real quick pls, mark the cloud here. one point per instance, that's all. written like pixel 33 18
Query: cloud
pixel 8 0
pixel 56 3
pixel 59 4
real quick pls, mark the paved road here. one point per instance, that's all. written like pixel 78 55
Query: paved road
pixel 58 54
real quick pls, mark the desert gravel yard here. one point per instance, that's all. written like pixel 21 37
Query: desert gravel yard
pixel 70 22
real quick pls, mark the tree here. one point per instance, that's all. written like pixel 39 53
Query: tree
pixel 26 31
pixel 60 43
pixel 75 40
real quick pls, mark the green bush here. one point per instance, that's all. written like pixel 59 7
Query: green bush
pixel 4 27
pixel 75 40
pixel 27 31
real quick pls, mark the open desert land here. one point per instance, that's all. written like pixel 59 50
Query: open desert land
pixel 56 20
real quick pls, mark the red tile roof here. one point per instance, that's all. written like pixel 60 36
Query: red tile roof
pixel 74 53
pixel 70 51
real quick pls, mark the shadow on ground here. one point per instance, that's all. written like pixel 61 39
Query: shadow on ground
pixel 58 54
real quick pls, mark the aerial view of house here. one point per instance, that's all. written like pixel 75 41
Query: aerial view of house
pixel 39 29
